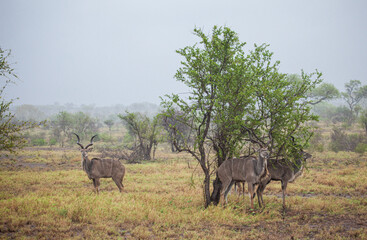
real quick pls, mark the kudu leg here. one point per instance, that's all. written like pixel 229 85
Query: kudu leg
pixel 251 194
pixel 260 196
pixel 96 184
pixel 228 190
pixel 284 188
pixel 259 192
pixel 118 182
pixel 241 188
pixel 226 187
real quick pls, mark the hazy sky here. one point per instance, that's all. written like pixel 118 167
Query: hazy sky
pixel 121 52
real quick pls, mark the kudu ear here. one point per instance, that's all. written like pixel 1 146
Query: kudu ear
pixel 89 149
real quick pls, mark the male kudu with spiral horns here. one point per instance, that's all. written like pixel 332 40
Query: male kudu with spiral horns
pixel 97 168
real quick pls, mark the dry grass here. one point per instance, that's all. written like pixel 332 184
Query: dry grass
pixel 44 194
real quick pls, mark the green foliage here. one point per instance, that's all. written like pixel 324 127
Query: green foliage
pixel 230 90
pixel 363 120
pixel 335 114
pixel 11 129
pixel 52 142
pixel 321 93
pixel 64 123
pixel 182 132
pixel 104 137
pixel 109 123
pixel 62 127
pixel 317 142
pixel 324 92
pixel 361 148
pixel 38 142
pixel 341 141
pixel 84 124
pixel 146 134
pixel 353 95
pixel 36 139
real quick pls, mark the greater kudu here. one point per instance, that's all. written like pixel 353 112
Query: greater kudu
pixel 245 169
pixel 250 169
pixel 97 168
pixel 282 170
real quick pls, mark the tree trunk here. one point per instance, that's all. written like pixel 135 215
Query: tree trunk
pixel 217 184
pixel 207 197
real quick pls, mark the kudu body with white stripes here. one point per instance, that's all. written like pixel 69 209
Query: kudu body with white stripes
pixel 97 168
pixel 250 169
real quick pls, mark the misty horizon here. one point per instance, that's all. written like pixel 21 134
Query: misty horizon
pixel 109 53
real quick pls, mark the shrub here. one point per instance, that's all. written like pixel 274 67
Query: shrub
pixel 104 137
pixel 341 141
pixel 52 142
pixel 361 148
pixel 38 142
pixel 316 142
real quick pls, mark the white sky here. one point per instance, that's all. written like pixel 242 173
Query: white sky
pixel 121 52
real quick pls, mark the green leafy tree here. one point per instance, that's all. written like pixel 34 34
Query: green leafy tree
pixel 363 120
pixel 64 123
pixel 181 128
pixel 321 93
pixel 11 129
pixel 324 92
pixel 62 126
pixel 353 95
pixel 232 95
pixel 84 124
pixel 109 123
pixel 145 133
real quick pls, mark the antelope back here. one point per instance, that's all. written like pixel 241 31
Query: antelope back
pixel 102 168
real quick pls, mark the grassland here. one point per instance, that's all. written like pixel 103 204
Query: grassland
pixel 45 195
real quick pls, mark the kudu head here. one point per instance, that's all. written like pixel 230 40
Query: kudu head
pixel 305 155
pixel 263 151
pixel 86 149
pixel 302 155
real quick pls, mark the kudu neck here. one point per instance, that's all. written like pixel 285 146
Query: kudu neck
pixel 261 164
pixel 85 161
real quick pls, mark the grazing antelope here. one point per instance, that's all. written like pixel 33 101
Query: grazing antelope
pixel 283 171
pixel 97 168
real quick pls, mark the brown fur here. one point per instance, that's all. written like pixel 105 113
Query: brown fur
pixel 281 171
pixel 101 168
pixel 250 169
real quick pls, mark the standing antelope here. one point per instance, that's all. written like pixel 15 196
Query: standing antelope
pixel 280 170
pixel 250 169
pixel 101 168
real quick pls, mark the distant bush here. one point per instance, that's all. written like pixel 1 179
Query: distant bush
pixel 341 141
pixel 317 142
pixel 361 148
pixel 52 142
pixel 38 142
pixel 104 137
